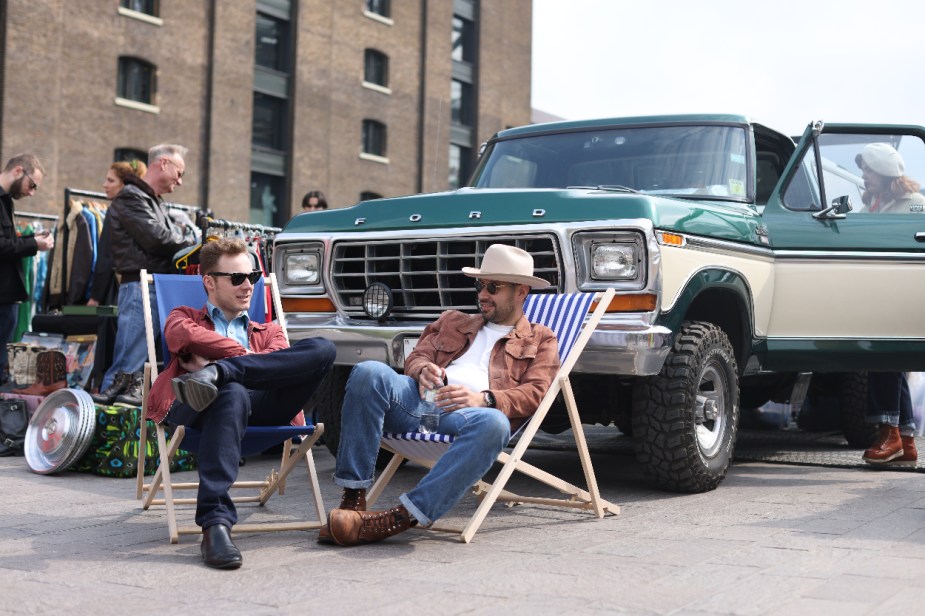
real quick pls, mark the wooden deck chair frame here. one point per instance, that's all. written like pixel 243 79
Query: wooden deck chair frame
pixel 577 498
pixel 161 482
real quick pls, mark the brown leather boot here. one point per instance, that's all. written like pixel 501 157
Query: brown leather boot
pixel 352 500
pixel 910 454
pixel 888 446
pixel 350 528
pixel 50 373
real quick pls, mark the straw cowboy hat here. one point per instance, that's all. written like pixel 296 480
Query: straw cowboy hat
pixel 881 158
pixel 507 264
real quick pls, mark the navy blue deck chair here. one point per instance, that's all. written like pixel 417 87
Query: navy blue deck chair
pixel 177 290
pixel 567 316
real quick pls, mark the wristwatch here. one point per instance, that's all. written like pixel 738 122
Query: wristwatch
pixel 489 399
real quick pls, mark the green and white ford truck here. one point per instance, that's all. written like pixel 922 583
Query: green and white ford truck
pixel 744 262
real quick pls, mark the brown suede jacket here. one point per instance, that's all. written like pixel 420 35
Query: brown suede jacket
pixel 190 331
pixel 521 367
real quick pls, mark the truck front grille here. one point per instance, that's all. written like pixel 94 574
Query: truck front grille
pixel 424 274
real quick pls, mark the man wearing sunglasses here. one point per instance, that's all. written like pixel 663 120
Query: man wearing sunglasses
pixel 227 372
pixel 490 370
pixel 21 177
pixel 142 236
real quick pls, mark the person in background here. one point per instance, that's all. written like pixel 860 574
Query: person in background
pixel 21 177
pixel 314 201
pixel 102 290
pixel 142 236
pixel 887 190
pixel 889 405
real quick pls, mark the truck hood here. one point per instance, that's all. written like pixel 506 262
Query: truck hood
pixel 474 207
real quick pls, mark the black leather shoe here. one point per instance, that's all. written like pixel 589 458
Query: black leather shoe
pixel 118 385
pixel 132 394
pixel 218 550
pixel 198 389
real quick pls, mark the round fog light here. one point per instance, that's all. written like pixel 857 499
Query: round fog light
pixel 377 301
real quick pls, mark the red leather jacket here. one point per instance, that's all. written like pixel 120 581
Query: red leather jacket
pixel 521 367
pixel 191 331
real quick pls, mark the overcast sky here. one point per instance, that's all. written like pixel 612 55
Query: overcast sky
pixel 782 62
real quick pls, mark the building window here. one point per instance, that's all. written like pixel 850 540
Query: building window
pixel 269 122
pixel 129 154
pixel 376 68
pixel 379 7
pixel 137 80
pixel 374 138
pixel 272 43
pixel 461 103
pixel 148 7
pixel 463 40
pixel 266 199
pixel 367 195
pixel 459 166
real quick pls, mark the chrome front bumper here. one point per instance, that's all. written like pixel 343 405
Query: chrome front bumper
pixel 621 347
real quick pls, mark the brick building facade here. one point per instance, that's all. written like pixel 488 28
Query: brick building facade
pixel 273 97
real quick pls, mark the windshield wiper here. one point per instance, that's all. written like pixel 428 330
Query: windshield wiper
pixel 609 187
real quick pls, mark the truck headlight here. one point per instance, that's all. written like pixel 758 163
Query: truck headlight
pixel 613 261
pixel 302 268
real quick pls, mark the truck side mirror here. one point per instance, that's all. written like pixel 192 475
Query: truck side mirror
pixel 838 210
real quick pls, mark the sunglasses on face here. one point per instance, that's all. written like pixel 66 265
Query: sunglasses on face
pixel 238 278
pixel 32 184
pixel 491 287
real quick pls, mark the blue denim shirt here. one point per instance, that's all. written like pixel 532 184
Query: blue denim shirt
pixel 236 329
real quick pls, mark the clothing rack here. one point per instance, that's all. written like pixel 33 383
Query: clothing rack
pixel 217 223
pixel 36 216
pixel 69 193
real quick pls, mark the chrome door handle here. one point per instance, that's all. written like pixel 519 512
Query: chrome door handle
pixel 920 236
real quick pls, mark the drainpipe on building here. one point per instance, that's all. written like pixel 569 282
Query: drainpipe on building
pixel 207 134
pixel 422 104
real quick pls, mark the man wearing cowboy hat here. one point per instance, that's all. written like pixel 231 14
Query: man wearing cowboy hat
pixel 490 370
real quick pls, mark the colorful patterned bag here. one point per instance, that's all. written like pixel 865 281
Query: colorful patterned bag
pixel 114 449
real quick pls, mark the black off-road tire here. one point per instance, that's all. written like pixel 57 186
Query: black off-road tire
pixel 327 403
pixel 676 455
pixel 852 403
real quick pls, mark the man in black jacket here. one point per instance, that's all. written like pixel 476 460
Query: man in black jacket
pixel 143 236
pixel 21 177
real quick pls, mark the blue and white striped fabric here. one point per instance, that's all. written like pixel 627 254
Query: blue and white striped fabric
pixel 564 314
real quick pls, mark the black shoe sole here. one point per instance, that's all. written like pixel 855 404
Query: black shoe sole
pixel 194 393
pixel 226 564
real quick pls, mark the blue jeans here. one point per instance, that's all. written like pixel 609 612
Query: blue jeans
pixel 380 400
pixel 9 316
pixel 130 351
pixel 258 389
pixel 889 401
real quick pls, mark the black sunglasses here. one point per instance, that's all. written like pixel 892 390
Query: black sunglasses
pixel 238 278
pixel 492 287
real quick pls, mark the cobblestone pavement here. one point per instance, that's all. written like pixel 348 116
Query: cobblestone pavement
pixel 772 539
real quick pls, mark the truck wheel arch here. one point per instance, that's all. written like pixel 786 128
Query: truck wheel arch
pixel 722 297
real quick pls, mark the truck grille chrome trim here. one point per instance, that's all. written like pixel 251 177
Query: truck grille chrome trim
pixel 424 274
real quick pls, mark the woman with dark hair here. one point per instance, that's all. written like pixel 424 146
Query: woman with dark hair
pixel 314 201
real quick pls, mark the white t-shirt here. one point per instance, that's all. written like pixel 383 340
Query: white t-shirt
pixel 471 369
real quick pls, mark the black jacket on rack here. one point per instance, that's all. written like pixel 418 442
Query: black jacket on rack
pixel 12 251
pixel 142 235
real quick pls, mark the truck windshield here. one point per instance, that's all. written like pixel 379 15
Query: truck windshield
pixel 706 162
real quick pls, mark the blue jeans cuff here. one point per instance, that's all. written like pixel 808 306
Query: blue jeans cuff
pixel 353 484
pixel 422 519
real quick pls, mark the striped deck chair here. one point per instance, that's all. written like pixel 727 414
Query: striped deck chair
pixel 177 290
pixel 567 316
